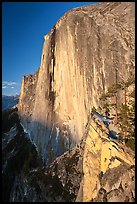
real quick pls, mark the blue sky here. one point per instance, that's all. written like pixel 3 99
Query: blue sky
pixel 23 26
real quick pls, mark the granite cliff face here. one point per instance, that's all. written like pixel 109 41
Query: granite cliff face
pixel 87 50
pixel 108 165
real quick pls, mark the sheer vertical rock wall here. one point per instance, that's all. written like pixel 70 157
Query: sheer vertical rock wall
pixel 87 50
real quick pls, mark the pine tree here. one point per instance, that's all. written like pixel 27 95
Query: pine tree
pixel 112 92
pixel 131 115
pixel 125 108
pixel 125 113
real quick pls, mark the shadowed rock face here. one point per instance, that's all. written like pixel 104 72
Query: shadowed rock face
pixel 87 50
pixel 97 170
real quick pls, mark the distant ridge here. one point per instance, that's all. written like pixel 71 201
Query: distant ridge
pixel 9 101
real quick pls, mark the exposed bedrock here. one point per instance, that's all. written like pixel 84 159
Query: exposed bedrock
pixel 82 56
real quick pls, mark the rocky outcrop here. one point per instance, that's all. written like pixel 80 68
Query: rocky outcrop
pixel 18 153
pixel 28 94
pixel 98 169
pixel 102 158
pixel 87 50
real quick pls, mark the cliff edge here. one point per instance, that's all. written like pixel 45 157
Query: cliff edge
pixel 86 51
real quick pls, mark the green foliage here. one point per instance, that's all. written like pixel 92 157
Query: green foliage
pixel 127 119
pixel 114 88
pixel 126 112
pixel 122 116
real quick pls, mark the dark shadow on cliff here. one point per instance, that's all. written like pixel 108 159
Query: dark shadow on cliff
pixel 26 179
pixel 53 138
pixel 63 163
pixel 23 168
pixel 18 153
